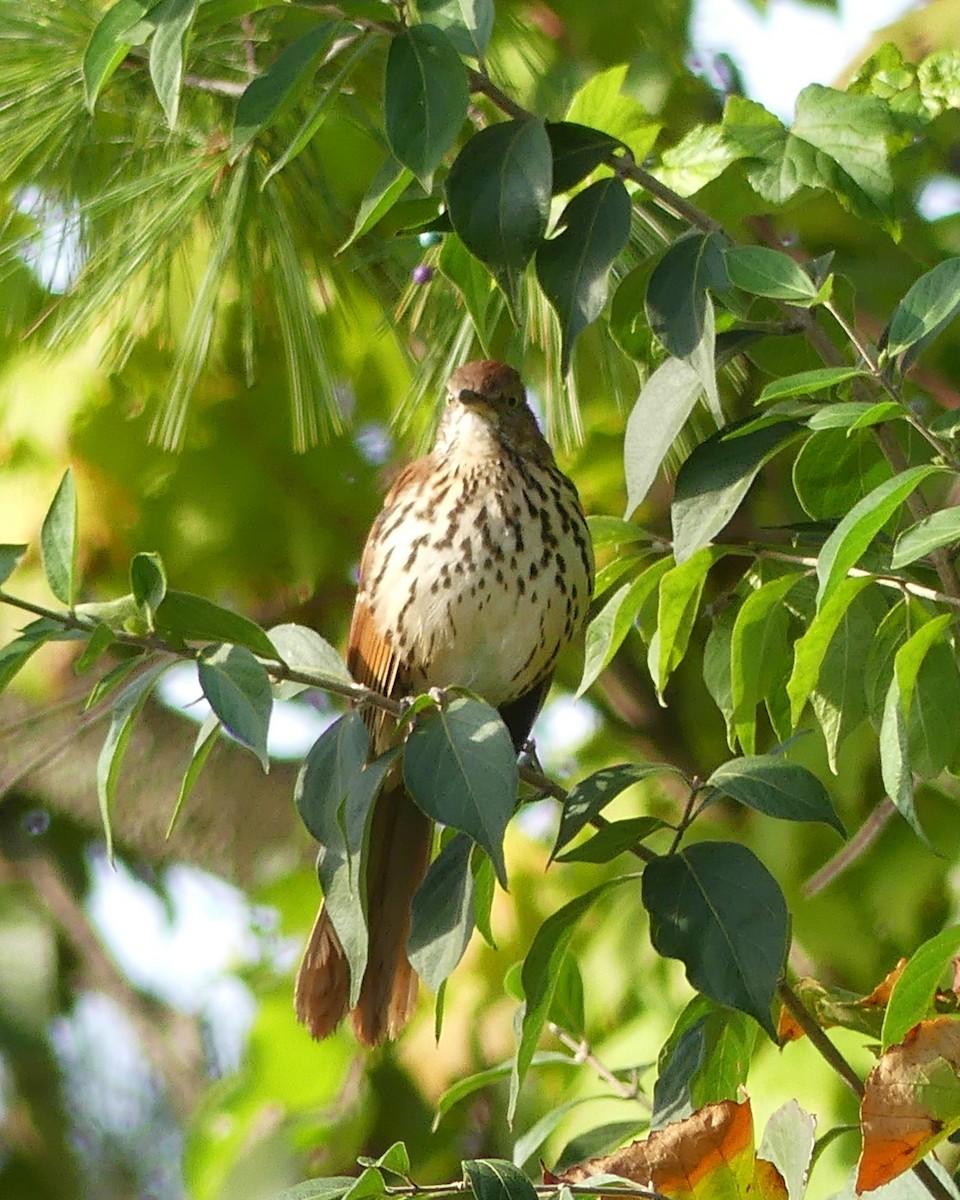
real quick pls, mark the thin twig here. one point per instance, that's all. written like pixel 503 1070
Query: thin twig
pixel 848 854
pixel 583 1053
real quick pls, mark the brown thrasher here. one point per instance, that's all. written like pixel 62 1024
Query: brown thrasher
pixel 478 572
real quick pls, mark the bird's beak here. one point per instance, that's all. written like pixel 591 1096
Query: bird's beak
pixel 469 396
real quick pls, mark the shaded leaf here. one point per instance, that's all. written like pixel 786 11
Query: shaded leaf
pixel 716 907
pixel 172 20
pixel 808 383
pixel 759 654
pixel 10 558
pixel 613 840
pixel 491 1075
pixel 497 1179
pixel 913 992
pixel 460 767
pixel 678 604
pixel 148 583
pixel 591 796
pixel 207 736
pixel 577 150
pixel 238 690
pixel 467 23
pixel 442 914
pixel 765 272
pixel 613 622
pixel 106 49
pixel 385 189
pixel 193 618
pixel 425 97
pixel 771 785
pixel 58 542
pixel 927 308
pixel 335 759
pixel 941 528
pixel 665 403
pixel 677 293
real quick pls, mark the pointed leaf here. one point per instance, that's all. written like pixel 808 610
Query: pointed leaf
pixel 573 267
pixel 678 605
pixel 498 197
pixel 442 914
pixel 388 185
pixel 425 98
pixel 591 796
pixel 759 654
pixel 895 767
pixel 58 542
pixel 771 785
pixel 336 758
pixel 577 150
pixel 207 737
pixel 765 272
pixel 497 1179
pixel 717 908
pixel 810 650
pixel 126 709
pixel 172 19
pixel 460 767
pixel 303 649
pixel 148 583
pixel 941 528
pixel 10 558
pixel 677 293
pixel 613 839
pixel 716 477
pixel 106 49
pixel 195 619
pixel 467 23
pixel 912 996
pixel 843 548
pixel 927 308
pixel 662 409
pixel 238 689
pixel 808 383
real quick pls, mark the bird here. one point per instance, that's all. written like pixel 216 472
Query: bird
pixel 477 572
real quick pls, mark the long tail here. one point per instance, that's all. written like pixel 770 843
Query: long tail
pixel 400 839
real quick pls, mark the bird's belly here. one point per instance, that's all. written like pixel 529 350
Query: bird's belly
pixel 489 603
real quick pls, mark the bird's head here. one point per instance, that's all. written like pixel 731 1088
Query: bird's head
pixel 493 393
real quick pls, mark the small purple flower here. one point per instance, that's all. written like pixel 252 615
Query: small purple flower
pixel 422 273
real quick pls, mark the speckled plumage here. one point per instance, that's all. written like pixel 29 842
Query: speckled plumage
pixel 477 571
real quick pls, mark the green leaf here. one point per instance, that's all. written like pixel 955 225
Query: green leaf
pixel 336 758
pixel 472 280
pixel 101 639
pixel 573 266
pixel 530 1142
pixel 771 785
pixel 425 98
pixel 497 1179
pixel 148 583
pixel 483 1079
pixel 484 888
pixel 109 682
pixel 662 409
pixel 172 19
pixel 15 654
pixel 467 23
pixel 442 914
pixel 677 294
pixel 577 150
pixel 855 414
pixel 941 528
pixel 859 527
pixel 808 383
pixel 717 667
pixel 895 767
pixel 679 602
pixel 601 104
pixel 927 308
pixel 388 185
pixel 810 650
pixel 195 619
pixel 591 796
pixel 333 1188
pixel 614 531
pixel 716 477
pixel 704 1060
pixel 910 657
pixel 912 995
pixel 765 272
pixel 58 542
pixel 613 839
pixel 701 155
pixel 832 472
pixel 598 1141
pixel 126 708
pixel 238 690
pixel 368 1183
pixel 498 197
pixel 818 150
pixel 106 49
pixel 460 767
pixel 207 736
pixel 715 907
pixel 610 626
pixel 540 974
pixel 613 571
pixel 789 1143
pixel 10 557
pixel 396 1160
pixel 759 654
pixel 280 86
pixel 303 649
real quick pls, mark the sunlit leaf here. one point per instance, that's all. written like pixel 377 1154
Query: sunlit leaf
pixel 913 992
pixel 58 542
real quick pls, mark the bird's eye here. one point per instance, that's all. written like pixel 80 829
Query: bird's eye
pixel 513 400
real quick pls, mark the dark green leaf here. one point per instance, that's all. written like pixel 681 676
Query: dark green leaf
pixel 778 788
pixel 895 766
pixel 498 197
pixel 106 49
pixel 832 472
pixel 425 98
pixel 677 293
pixel 613 840
pixel 566 1007
pixel 665 403
pixel 467 23
pixel 10 557
pixel 126 709
pixel 941 528
pixel 912 995
pixel 765 272
pixel 460 767
pixel 530 1142
pixel 333 1188
pixel 58 542
pixel 715 907
pixel 541 971
pixel 808 383
pixel 148 582
pixel 759 654
pixel 207 736
pixel 927 308
pixel 388 185
pixel 859 527
pixel 705 1059
pixel 280 86
pixel 172 19
pixel 810 650
pixel 101 639
pixel 442 914
pixel 573 266
pixel 628 317
pixel 368 1183
pixel 238 690
pixel 497 1179
pixel 716 477
pixel 396 1160
pixel 336 758
pixel 14 656
pixel 484 887
pixel 194 619
pixel 598 1141
pixel 577 150
pixel 591 796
